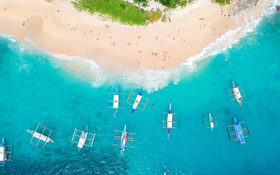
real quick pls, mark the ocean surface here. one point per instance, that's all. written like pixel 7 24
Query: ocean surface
pixel 36 88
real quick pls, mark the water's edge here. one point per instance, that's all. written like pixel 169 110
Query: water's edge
pixel 149 80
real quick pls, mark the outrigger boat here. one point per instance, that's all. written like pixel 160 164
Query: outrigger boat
pixel 137 101
pixel 211 121
pixel 169 120
pixel 85 138
pixel 237 93
pixel 3 155
pixel 82 140
pixel 239 131
pixel 123 139
pixel 40 136
pixel 116 101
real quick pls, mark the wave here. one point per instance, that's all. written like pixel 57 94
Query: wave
pixel 152 80
pixel 8 36
pixel 147 79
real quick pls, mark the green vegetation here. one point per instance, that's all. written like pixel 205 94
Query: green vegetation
pixel 144 3
pixel 127 13
pixel 223 2
pixel 174 3
pixel 140 1
pixel 119 10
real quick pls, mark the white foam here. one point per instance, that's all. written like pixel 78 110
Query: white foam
pixel 85 67
pixel 8 36
pixel 147 79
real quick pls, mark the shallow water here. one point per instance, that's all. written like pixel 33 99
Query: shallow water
pixel 35 88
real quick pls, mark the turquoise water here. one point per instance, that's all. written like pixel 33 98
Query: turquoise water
pixel 34 88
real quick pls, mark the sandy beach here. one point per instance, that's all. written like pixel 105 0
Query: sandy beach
pixel 59 28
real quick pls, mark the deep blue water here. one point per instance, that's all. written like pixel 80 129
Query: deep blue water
pixel 35 88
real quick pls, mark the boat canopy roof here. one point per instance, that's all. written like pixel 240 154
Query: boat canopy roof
pixel 40 136
pixel 137 100
pixel 169 120
pixel 240 134
pixel 237 92
pixel 2 153
pixel 116 101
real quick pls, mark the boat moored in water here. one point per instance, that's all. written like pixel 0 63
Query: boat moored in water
pixel 40 136
pixel 123 139
pixel 137 101
pixel 83 138
pixel 116 101
pixel 211 121
pixel 239 132
pixel 169 120
pixel 237 93
pixel 3 155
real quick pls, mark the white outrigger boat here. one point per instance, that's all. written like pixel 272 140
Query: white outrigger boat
pixel 236 93
pixel 82 140
pixel 6 153
pixel 116 101
pixel 85 138
pixel 211 122
pixel 3 155
pixel 40 136
pixel 169 120
pixel 137 101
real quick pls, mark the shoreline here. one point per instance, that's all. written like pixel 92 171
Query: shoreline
pixel 115 47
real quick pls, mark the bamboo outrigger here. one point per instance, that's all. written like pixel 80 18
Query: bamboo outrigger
pixel 169 120
pixel 124 139
pixel 116 102
pixel 42 134
pixel 210 121
pixel 137 101
pixel 84 138
pixel 236 93
pixel 238 131
pixel 6 153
